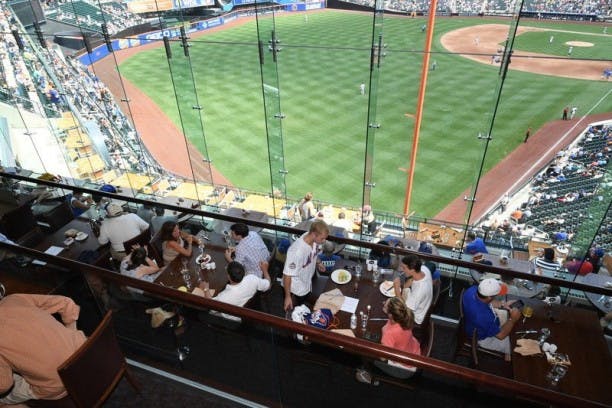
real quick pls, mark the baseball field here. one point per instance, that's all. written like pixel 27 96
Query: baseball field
pixel 322 62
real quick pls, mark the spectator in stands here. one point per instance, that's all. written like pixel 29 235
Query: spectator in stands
pixel 175 242
pixel 546 263
pixel 343 222
pixel 159 219
pixel 578 266
pixel 478 307
pixel 119 227
pixel 241 287
pixel 306 207
pixel 367 220
pixel 517 215
pixel 474 245
pixel 34 344
pixel 250 250
pixel 138 265
pixel 397 334
pixel 414 286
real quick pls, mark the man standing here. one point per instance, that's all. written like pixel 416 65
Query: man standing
pixel 250 250
pixel 301 262
pixel 527 134
pixel 362 88
pixel 573 112
pixel 478 303
pixel 34 344
pixel 241 287
pixel 565 111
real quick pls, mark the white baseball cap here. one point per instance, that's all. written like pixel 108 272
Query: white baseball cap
pixel 492 287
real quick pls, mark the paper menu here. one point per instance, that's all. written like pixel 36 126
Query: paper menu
pixel 350 304
pixel 52 250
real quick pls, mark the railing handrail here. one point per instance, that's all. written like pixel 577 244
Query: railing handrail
pixel 346 343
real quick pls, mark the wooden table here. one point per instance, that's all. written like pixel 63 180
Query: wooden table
pixel 523 287
pixel 578 334
pixel 367 292
pixel 75 249
pixel 602 302
pixel 439 234
pixel 258 216
pixel 217 278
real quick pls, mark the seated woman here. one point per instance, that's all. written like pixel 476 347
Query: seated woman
pixel 175 242
pixel 138 265
pixel 397 334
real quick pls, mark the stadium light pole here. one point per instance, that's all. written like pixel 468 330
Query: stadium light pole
pixel 420 102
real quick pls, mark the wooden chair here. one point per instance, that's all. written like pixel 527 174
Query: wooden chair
pixel 142 239
pixel 91 374
pixel 489 361
pixel 57 217
pixel 467 346
pixel 155 249
pixel 426 341
pixel 437 287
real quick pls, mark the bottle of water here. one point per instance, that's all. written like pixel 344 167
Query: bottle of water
pixel 353 321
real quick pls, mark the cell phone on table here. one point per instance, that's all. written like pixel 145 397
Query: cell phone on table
pixel 518 304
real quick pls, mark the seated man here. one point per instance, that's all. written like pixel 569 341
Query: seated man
pixel 475 245
pixel 241 287
pixel 119 227
pixel 416 289
pixel 327 256
pixel 34 344
pixel 478 303
pixel 250 251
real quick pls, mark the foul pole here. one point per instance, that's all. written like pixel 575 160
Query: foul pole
pixel 421 100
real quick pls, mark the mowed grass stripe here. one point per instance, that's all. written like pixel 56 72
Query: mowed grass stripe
pixel 320 67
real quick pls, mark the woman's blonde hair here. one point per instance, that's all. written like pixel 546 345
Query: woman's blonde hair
pixel 400 312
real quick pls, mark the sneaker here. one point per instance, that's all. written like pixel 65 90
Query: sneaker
pixel 363 376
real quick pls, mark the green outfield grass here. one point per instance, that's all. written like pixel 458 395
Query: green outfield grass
pixel 321 65
pixel 538 41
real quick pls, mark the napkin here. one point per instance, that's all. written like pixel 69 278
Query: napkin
pixel 200 292
pixel 331 300
pixel 527 347
pixel 159 316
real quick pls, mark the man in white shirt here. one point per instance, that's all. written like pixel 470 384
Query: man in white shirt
pixel 301 262
pixel 118 228
pixel 250 250
pixel 343 222
pixel 417 291
pixel 241 287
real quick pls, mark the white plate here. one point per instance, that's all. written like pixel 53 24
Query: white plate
pixel 203 260
pixel 341 276
pixel 386 288
pixel 81 236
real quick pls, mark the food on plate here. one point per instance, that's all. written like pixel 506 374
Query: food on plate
pixel 71 232
pixel 343 276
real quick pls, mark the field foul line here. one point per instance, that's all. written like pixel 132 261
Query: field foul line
pixel 553 147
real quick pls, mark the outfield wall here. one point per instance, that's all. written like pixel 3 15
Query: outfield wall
pixel 102 51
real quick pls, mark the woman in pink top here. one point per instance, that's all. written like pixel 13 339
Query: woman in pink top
pixel 397 334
